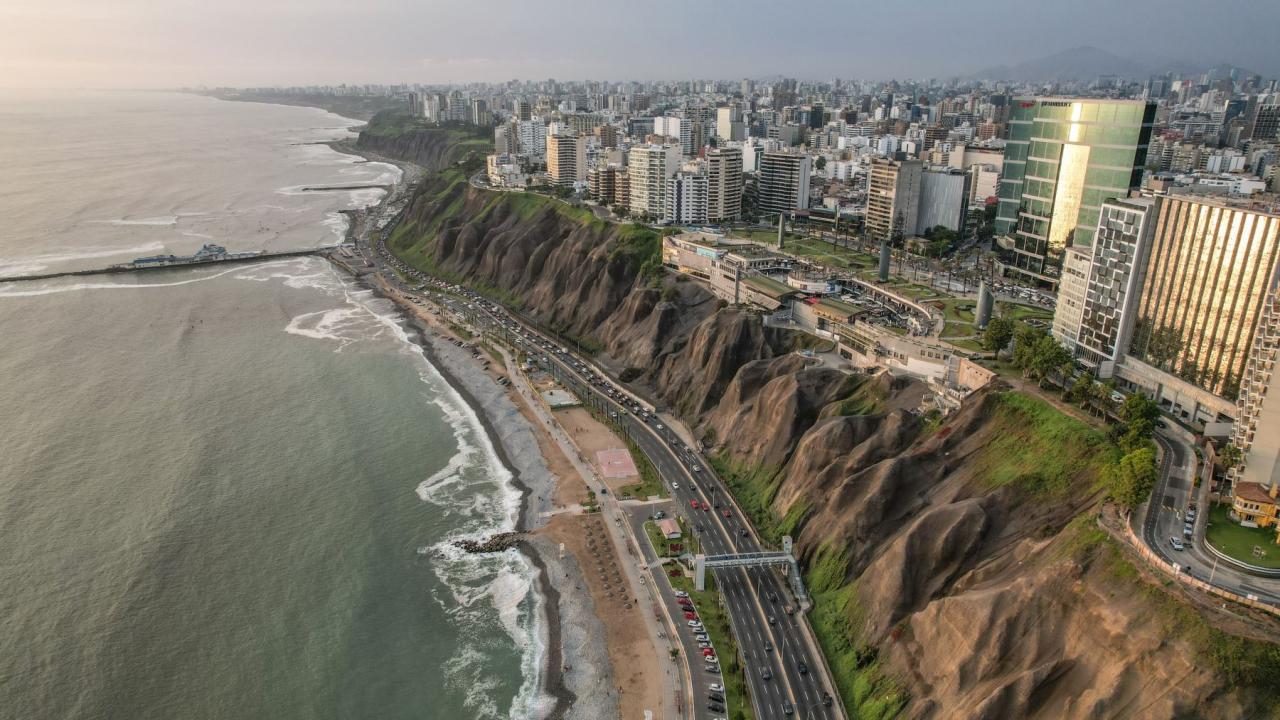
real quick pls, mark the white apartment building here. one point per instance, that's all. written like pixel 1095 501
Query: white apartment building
pixel 648 167
pixel 685 201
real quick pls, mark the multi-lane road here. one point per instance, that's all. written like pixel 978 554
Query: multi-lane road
pixel 785 677
pixel 1166 516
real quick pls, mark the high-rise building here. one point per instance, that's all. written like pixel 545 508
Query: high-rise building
pixel 724 184
pixel 685 201
pixel 944 200
pixel 1257 428
pixel 505 140
pixel 1064 157
pixel 1114 281
pixel 1265 124
pixel 648 167
pixel 532 136
pixel 893 198
pixel 1176 293
pixel 566 159
pixel 729 125
pixel 784 181
pixel 1202 294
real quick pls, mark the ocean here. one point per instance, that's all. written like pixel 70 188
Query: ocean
pixel 230 491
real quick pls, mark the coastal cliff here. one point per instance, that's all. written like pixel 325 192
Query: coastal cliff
pixel 394 133
pixel 957 565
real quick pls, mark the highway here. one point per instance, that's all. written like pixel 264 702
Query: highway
pixel 1165 517
pixel 784 677
pixel 767 636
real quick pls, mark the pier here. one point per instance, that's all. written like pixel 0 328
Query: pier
pixel 127 268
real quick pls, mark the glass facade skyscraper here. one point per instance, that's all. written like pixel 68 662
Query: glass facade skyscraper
pixel 1064 158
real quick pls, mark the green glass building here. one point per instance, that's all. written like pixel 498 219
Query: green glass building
pixel 1064 157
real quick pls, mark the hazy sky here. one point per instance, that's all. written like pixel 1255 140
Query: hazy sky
pixel 167 43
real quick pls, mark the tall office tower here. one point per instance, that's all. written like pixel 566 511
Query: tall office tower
pixel 522 110
pixel 479 113
pixel 415 104
pixel 1177 290
pixel 944 200
pixel 648 167
pixel 532 135
pixel 1265 124
pixel 566 159
pixel 685 202
pixel 893 198
pixel 724 184
pixel 784 181
pixel 1210 268
pixel 1065 157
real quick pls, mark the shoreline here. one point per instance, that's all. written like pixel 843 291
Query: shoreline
pixel 553 679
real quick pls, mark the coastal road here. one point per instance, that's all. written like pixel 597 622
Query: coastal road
pixel 1166 513
pixel 782 669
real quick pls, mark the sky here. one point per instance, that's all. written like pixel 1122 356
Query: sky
pixel 172 43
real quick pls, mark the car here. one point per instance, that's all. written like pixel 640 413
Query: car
pixel 717 697
pixel 1176 543
pixel 694 504
pixel 703 644
pixel 802 667
pixel 705 507
pixel 766 674
pixel 1191 515
pixel 697 469
pixel 715 687
pixel 768 646
pixel 826 699
pixel 681 593
pixel 694 624
pixel 725 512
pixel 1187 530
pixel 789 610
pixel 773 620
pixel 742 532
pixel 701 637
pixel 711 668
pixel 773 596
pixel 659 515
pixel 706 651
pixel 787 708
pixel 690 616
pixel 715 707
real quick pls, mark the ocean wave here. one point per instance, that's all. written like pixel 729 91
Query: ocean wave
pixel 28 264
pixel 158 221
pixel 52 289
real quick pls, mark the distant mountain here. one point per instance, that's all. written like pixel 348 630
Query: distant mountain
pixel 1080 63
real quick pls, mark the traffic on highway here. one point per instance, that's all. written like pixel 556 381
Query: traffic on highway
pixel 783 669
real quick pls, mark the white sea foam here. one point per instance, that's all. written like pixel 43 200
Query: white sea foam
pixel 14 289
pixel 28 264
pixel 158 221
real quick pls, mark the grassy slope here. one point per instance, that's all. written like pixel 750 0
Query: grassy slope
pixel 1036 448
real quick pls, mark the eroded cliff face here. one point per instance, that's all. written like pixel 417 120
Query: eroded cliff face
pixel 432 149
pixel 947 557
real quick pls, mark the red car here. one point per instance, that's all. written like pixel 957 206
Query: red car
pixel 708 652
pixel 690 616
pixel 705 507
pixel 693 504
pixel 725 512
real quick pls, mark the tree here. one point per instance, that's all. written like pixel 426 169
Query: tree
pixel 997 335
pixel 821 162
pixel 1230 456
pixel 1138 408
pixel 1130 481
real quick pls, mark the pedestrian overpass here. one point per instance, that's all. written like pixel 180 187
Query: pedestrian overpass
pixel 702 563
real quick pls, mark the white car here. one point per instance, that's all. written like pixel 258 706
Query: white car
pixel 715 687
pixel 1176 543
pixel 681 594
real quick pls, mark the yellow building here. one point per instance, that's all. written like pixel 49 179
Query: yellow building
pixel 1255 505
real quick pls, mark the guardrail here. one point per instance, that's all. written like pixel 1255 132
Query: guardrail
pixel 1173 570
pixel 1251 569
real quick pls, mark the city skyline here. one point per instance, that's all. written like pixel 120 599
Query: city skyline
pixel 71 43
